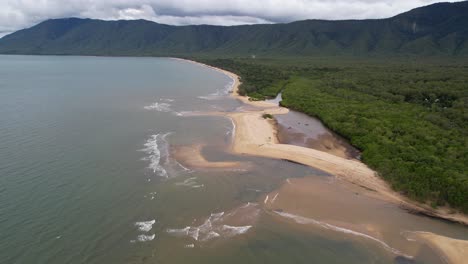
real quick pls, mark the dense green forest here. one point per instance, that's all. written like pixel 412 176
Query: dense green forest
pixel 408 118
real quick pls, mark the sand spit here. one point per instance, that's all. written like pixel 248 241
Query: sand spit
pixel 191 156
pixel 257 136
pixel 453 250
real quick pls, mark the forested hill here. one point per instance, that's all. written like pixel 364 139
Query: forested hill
pixel 439 29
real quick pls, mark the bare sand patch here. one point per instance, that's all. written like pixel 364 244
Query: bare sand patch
pixel 257 136
pixel 191 156
pixel 455 251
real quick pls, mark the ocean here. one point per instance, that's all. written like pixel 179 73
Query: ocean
pixel 88 175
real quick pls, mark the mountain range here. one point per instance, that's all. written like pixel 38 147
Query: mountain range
pixel 438 29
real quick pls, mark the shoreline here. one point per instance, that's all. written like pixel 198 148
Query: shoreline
pixel 256 136
pixel 191 156
pixel 451 250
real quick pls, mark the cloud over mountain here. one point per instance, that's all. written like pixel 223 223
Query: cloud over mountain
pixel 17 14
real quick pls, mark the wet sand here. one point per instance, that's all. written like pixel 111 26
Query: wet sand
pixel 191 156
pixel 454 250
pixel 257 136
pixel 295 128
pixel 312 204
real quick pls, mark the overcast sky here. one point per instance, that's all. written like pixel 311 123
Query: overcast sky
pixel 18 14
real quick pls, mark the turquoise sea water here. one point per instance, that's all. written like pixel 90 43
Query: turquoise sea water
pixel 86 174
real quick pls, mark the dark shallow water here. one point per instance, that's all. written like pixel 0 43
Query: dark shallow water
pixel 86 175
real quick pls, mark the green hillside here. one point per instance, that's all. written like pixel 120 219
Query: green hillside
pixel 440 29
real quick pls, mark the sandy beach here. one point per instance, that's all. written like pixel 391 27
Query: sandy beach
pixel 257 136
pixel 191 156
pixel 454 250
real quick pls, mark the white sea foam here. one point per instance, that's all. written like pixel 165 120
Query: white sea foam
pixel 210 229
pixel 190 182
pixel 304 220
pixel 145 226
pixel 160 107
pixel 186 113
pixel 194 233
pixel 235 230
pixel 145 238
pixel 163 105
pixel 216 216
pixel 210 235
pixel 220 92
pixel 187 182
pixel 233 130
pixel 206 97
pixel 157 149
pixel 178 232
pixel 190 231
pixel 274 198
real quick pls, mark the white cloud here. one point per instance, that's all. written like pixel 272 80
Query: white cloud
pixel 17 14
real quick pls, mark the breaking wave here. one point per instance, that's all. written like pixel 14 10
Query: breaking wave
pixel 220 92
pixel 215 226
pixel 145 226
pixel 190 182
pixel 143 238
pixel 235 230
pixel 304 220
pixel 162 105
pixel 157 149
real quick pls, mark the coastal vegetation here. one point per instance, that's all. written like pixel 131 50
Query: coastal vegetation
pixel 408 119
